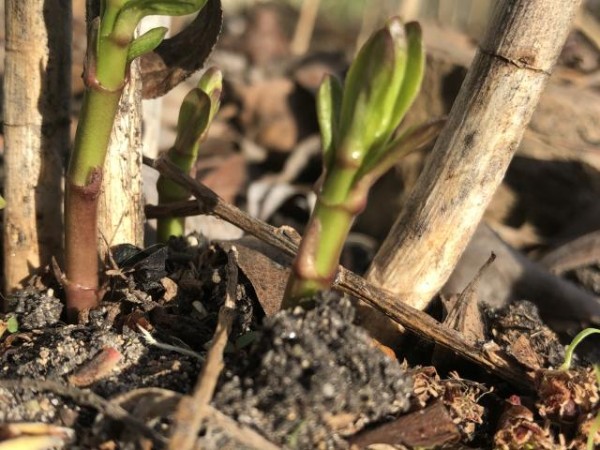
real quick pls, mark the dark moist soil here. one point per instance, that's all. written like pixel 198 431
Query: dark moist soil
pixel 312 377
pixel 304 379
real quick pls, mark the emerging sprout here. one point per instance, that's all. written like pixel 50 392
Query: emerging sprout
pixel 359 122
pixel 195 116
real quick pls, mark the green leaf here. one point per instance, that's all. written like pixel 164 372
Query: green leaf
pixel 2 202
pixel 415 69
pixel 146 42
pixel 12 325
pixel 135 10
pixel 211 82
pixel 193 120
pixel 372 86
pixel 329 101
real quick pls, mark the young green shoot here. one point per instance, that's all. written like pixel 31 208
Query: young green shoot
pixel 195 116
pixel 112 46
pixel 566 365
pixel 359 123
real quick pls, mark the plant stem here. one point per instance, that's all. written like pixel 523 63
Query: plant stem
pixel 195 115
pixel 566 365
pixel 112 46
pixel 169 192
pixel 319 252
pixel 84 180
pixel 105 77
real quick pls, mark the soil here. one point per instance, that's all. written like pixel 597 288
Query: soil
pixel 304 378
pixel 314 379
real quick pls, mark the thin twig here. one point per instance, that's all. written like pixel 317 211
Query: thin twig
pixel 88 398
pixel 192 410
pixel 207 202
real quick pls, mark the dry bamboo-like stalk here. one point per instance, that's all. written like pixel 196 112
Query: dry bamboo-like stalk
pixel 36 131
pixel 472 154
pixel 120 207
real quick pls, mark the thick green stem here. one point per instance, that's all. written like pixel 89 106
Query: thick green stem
pixel 111 47
pixel 105 77
pixel 319 253
pixel 82 190
pixel 169 192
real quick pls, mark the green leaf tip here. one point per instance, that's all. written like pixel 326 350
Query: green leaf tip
pixel 372 86
pixel 198 109
pixel 12 324
pixel 146 42
pixel 413 76
pixel 329 102
pixel 211 83
pixel 194 116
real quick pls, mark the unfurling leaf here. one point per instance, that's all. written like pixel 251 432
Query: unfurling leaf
pixel 413 76
pixel 162 7
pixel 197 111
pixel 211 83
pixel 146 42
pixel 133 11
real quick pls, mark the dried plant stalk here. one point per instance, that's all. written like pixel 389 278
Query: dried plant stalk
pixel 472 154
pixel 36 132
pixel 120 206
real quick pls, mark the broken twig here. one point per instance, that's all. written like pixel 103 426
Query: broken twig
pixel 207 202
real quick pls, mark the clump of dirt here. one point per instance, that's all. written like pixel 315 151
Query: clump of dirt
pixel 313 377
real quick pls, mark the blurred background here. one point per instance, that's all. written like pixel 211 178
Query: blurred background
pixel 263 151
